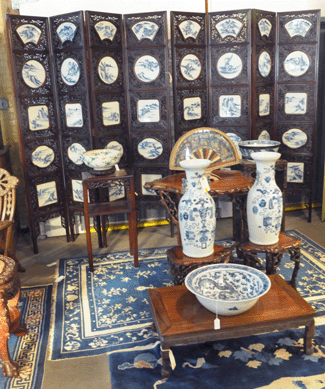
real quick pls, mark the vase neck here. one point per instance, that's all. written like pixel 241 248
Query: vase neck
pixel 193 177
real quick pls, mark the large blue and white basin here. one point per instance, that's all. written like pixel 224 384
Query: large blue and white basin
pixel 227 289
pixel 247 147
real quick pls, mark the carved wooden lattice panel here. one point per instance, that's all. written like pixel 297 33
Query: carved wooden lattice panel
pixel 190 75
pixel 40 144
pixel 148 100
pixel 71 76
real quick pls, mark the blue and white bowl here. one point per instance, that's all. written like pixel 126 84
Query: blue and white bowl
pixel 247 147
pixel 227 289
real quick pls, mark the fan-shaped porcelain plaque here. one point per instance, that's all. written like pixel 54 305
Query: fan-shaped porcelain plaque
pixel 295 172
pixel 150 148
pixel 114 145
pixel 264 135
pixel 298 27
pixel 34 74
pixel 190 67
pixel 70 71
pixel 73 115
pixel 66 31
pixel 295 103
pixel 147 68
pixel 229 65
pixel 148 111
pixel 192 108
pixel 230 106
pixel 297 63
pixel 75 151
pixel 145 30
pixel 294 138
pixel 28 33
pixel 105 30
pixel 148 178
pixel 204 143
pixel 77 190
pixel 264 104
pixel 229 27
pixel 111 113
pixel 38 117
pixel 47 194
pixel 264 63
pixel 108 70
pixel 42 156
pixel 189 29
pixel 265 27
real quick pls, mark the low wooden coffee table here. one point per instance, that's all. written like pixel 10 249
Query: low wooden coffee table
pixel 180 319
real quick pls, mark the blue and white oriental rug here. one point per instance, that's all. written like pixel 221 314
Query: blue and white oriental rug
pixel 108 310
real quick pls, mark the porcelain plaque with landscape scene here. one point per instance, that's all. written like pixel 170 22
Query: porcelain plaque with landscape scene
pixel 147 68
pixel 38 117
pixel 229 65
pixel 34 74
pixel 108 70
pixel 150 148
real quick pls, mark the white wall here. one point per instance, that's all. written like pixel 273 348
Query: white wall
pixel 56 7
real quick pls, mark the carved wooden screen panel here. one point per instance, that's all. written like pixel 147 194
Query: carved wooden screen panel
pixel 148 100
pixel 190 75
pixel 70 70
pixel 230 73
pixel 38 124
pixel 297 85
pixel 105 44
pixel 263 66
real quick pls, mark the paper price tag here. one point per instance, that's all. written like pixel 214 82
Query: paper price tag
pixel 172 360
pixel 205 185
pixel 217 324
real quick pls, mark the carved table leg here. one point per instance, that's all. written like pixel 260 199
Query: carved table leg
pixel 166 369
pixel 295 257
pixel 308 338
pixel 273 261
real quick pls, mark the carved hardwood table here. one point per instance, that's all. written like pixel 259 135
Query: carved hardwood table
pixel 232 186
pixel 180 319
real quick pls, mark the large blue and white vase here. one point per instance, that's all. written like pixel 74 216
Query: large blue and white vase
pixel 196 211
pixel 264 201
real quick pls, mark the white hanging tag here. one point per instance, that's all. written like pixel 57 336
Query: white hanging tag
pixel 217 320
pixel 59 279
pixel 204 183
pixel 172 359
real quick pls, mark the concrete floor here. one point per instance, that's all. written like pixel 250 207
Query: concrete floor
pixel 93 372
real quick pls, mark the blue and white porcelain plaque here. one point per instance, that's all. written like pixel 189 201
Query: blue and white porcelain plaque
pixel 298 27
pixel 150 148
pixel 66 31
pixel 148 178
pixel 105 30
pixel 190 67
pixel 230 106
pixel 148 111
pixel 115 145
pixel 294 138
pixel 297 63
pixel 295 172
pixel 46 194
pixel 75 151
pixel 265 27
pixel 264 63
pixel 73 115
pixel 77 190
pixel 34 74
pixel 111 113
pixel 70 71
pixel 29 33
pixel 295 103
pixel 108 70
pixel 116 192
pixel 189 29
pixel 264 104
pixel 42 156
pixel 147 68
pixel 38 117
pixel 145 30
pixel 264 135
pixel 192 108
pixel 229 27
pixel 230 65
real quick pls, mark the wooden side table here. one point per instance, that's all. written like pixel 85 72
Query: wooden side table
pixel 273 254
pixel 180 264
pixel 101 208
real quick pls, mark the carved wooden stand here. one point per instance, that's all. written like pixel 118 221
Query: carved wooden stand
pixel 9 313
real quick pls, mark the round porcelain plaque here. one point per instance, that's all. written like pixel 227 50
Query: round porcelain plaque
pixel 297 63
pixel 42 156
pixel 294 138
pixel 264 64
pixel 34 74
pixel 229 65
pixel 108 70
pixel 147 68
pixel 150 148
pixel 190 67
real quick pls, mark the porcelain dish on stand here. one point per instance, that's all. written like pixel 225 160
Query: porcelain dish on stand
pixel 102 159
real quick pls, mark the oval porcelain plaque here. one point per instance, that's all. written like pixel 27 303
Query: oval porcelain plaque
pixel 150 148
pixel 190 67
pixel 42 156
pixel 264 64
pixel 297 63
pixel 34 74
pixel 294 138
pixel 75 152
pixel 70 71
pixel 229 65
pixel 147 68
pixel 108 70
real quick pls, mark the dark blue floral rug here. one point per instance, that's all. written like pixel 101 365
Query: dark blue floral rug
pixel 107 310
pixel 30 350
